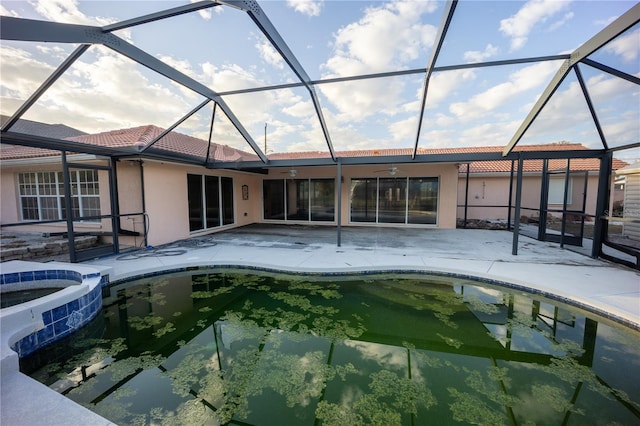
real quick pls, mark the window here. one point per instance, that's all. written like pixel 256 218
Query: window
pixel 395 200
pixel 299 199
pixel 210 201
pixel 42 195
pixel 556 189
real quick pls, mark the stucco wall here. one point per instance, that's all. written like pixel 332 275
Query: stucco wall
pixel 165 187
pixel 9 187
pixel 447 174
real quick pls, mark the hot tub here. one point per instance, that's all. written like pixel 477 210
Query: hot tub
pixel 28 326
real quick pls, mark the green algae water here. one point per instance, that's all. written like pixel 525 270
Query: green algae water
pixel 225 346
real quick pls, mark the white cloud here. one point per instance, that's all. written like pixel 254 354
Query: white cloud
pixel 627 46
pixel 357 100
pixel 444 84
pixel 525 79
pixel 206 14
pixel 306 7
pixel 478 56
pixel 519 26
pixel 104 94
pixel 21 73
pixel 488 134
pixel 559 23
pixel 6 12
pixel 404 130
pixel 67 11
pixel 269 54
pixel 301 109
pixel 396 32
pixel 605 22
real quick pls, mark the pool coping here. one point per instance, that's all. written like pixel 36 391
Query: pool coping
pixel 608 313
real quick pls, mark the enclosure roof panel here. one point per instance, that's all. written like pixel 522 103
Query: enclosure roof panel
pixel 328 77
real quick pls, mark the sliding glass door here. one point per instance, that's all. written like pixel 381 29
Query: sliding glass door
pixel 395 200
pixel 210 201
pixel 309 200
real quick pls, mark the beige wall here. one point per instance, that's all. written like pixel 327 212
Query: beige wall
pixel 165 190
pixel 447 174
pixel 165 187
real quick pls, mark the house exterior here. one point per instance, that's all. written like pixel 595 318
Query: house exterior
pixel 484 187
pixel 174 201
pixel 159 201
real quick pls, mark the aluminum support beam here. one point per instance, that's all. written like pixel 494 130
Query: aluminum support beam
pixel 180 10
pixel 213 120
pixel 442 32
pixel 34 141
pixel 592 110
pixel 45 85
pixel 516 219
pixel 387 74
pixel 68 205
pixel 255 12
pixel 339 207
pixel 21 29
pixel 32 30
pixel 601 224
pixel 176 124
pixel 617 27
pixel 563 227
pixel 630 78
pixel 151 62
pixel 421 158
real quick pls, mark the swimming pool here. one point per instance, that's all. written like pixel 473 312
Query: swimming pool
pixel 250 347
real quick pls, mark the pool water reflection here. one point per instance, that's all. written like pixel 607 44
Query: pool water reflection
pixel 246 347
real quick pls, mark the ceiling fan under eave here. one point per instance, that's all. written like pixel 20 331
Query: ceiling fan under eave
pixel 291 172
pixel 392 170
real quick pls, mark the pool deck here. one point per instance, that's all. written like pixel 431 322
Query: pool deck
pixel 543 267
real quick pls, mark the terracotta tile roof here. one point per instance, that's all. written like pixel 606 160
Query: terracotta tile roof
pixel 172 142
pixel 422 151
pixel 176 142
pixel 139 137
pixel 14 152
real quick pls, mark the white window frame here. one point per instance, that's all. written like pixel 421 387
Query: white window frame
pixel 76 193
pixel 556 190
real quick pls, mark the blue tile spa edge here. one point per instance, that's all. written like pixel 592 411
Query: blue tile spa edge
pixel 59 321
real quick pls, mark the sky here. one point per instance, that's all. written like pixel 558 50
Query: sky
pixel 222 48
